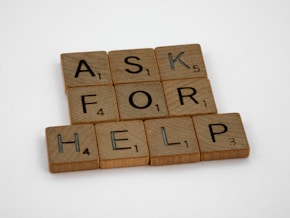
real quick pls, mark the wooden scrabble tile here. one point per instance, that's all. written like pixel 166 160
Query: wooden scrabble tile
pixel 180 62
pixel 141 101
pixel 92 104
pixel 86 69
pixel 72 148
pixel 138 65
pixel 172 141
pixel 221 136
pixel 189 97
pixel 122 144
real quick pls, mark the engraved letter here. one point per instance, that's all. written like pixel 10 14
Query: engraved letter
pixel 188 95
pixel 165 140
pixel 149 102
pixel 212 133
pixel 88 69
pixel 114 140
pixel 173 61
pixel 60 143
pixel 140 68
pixel 84 103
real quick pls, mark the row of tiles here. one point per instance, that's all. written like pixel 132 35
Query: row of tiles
pixel 154 141
pixel 187 97
pixel 136 65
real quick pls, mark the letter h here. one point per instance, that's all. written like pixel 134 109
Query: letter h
pixel 60 143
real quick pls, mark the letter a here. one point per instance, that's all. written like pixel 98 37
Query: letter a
pixel 87 69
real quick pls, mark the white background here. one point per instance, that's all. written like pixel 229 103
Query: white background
pixel 247 54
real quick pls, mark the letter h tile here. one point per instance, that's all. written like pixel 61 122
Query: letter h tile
pixel 72 148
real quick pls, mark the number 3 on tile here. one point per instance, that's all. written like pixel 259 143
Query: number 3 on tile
pixel 232 141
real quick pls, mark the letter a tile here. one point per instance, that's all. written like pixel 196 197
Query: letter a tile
pixel 221 136
pixel 86 69
pixel 72 148
pixel 172 141
pixel 180 62
pixel 122 144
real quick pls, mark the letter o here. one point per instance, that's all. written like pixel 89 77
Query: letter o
pixel 149 102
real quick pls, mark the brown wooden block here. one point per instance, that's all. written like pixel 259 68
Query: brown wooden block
pixel 92 104
pixel 180 62
pixel 189 97
pixel 138 65
pixel 86 69
pixel 141 100
pixel 221 136
pixel 72 148
pixel 172 141
pixel 122 144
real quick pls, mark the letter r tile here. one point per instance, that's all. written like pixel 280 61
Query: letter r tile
pixel 122 144
pixel 189 97
pixel 92 104
pixel 180 62
pixel 221 136
pixel 72 148
pixel 86 69
pixel 172 141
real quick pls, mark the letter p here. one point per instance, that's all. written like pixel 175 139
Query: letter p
pixel 216 129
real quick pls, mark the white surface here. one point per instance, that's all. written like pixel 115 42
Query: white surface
pixel 247 54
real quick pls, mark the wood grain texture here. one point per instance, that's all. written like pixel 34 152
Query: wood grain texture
pixel 172 141
pixel 180 62
pixel 122 144
pixel 86 69
pixel 141 101
pixel 221 136
pixel 92 104
pixel 138 65
pixel 141 106
pixel 189 97
pixel 72 148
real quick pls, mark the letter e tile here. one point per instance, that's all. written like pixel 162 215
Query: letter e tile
pixel 122 144
pixel 172 141
pixel 221 136
pixel 72 148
